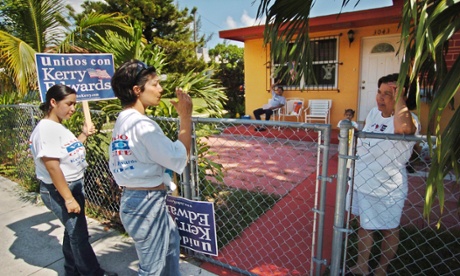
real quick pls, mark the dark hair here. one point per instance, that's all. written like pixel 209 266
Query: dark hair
pixel 393 78
pixel 349 110
pixel 410 101
pixel 58 92
pixel 129 74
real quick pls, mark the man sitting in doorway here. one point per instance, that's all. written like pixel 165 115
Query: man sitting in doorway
pixel 277 101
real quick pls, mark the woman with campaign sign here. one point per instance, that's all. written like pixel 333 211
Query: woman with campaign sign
pixel 60 162
pixel 139 156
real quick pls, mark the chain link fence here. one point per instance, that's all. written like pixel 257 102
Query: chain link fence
pixel 279 195
pixel 18 122
pixel 423 246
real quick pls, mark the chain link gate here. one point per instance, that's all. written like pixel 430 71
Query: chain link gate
pixel 269 191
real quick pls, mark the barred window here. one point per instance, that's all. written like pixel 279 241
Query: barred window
pixel 325 61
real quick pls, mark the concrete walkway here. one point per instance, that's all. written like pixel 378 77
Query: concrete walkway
pixel 31 238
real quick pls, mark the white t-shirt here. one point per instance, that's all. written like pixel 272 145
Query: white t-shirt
pixel 381 167
pixel 52 139
pixel 140 152
pixel 276 100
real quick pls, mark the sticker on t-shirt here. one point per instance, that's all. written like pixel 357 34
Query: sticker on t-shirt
pixel 378 127
pixel 120 146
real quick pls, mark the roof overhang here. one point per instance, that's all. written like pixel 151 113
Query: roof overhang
pixel 386 15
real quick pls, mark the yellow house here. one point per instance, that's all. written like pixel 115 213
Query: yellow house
pixel 351 52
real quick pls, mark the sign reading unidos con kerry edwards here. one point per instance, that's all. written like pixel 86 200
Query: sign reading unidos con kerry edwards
pixel 88 74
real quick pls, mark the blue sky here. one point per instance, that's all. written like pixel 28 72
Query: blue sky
pixel 218 15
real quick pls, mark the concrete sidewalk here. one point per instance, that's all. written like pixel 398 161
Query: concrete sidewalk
pixel 31 238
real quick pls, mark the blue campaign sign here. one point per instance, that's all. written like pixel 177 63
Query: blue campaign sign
pixel 196 223
pixel 88 74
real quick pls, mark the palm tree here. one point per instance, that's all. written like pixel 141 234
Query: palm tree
pixel 426 27
pixel 28 27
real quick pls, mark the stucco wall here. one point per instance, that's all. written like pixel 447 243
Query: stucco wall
pixel 257 74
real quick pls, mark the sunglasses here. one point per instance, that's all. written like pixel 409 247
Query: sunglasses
pixel 141 67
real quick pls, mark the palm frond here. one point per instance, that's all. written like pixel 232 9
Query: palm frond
pixel 20 60
pixel 43 22
pixel 199 85
pixel 112 42
pixel 426 28
pixel 285 20
pixel 94 22
pixel 447 151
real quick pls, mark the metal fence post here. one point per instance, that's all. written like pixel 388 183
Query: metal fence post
pixel 186 175
pixel 322 202
pixel 193 164
pixel 339 214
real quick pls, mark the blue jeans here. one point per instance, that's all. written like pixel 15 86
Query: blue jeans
pixel 79 257
pixel 147 221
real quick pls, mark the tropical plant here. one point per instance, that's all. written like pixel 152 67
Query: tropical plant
pixel 199 86
pixel 123 46
pixel 29 27
pixel 426 27
pixel 229 69
pixel 162 24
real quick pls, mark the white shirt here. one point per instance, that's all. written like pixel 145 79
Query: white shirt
pixel 276 100
pixel 140 152
pixel 53 140
pixel 381 167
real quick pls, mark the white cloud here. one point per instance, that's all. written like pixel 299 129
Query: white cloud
pixel 76 4
pixel 231 23
pixel 247 20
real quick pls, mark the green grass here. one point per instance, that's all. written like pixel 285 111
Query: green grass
pixel 236 209
pixel 420 252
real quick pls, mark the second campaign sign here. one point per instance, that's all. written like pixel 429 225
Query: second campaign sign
pixel 88 74
pixel 196 223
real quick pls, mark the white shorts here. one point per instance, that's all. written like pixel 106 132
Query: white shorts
pixel 376 213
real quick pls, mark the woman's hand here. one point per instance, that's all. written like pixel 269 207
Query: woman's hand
pixel 184 104
pixel 72 206
pixel 184 107
pixel 88 129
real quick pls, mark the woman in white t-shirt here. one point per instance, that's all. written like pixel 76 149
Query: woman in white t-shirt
pixel 380 180
pixel 139 156
pixel 60 164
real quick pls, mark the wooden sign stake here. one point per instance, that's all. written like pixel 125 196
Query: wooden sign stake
pixel 86 113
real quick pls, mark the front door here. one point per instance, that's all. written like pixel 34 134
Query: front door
pixel 378 59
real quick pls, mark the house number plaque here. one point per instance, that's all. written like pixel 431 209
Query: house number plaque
pixel 382 31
